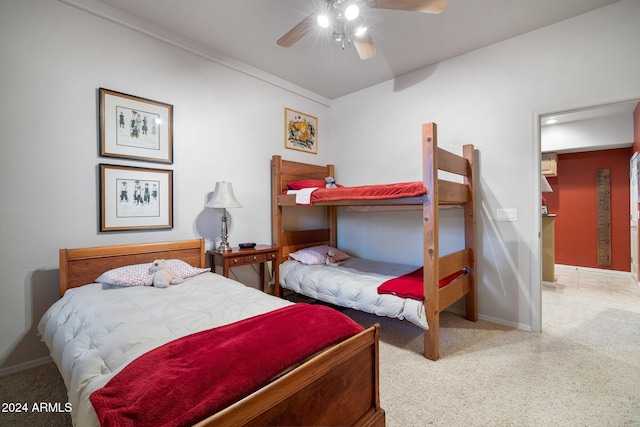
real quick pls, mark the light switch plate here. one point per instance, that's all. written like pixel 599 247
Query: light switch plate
pixel 507 214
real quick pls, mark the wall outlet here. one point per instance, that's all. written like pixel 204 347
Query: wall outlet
pixel 507 214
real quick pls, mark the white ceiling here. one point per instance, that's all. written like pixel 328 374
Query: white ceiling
pixel 247 30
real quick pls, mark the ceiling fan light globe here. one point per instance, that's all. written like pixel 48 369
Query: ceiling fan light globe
pixel 351 12
pixel 323 20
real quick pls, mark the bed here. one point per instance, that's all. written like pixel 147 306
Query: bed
pixel 136 330
pixel 433 193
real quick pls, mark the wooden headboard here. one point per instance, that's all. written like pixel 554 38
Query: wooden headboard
pixel 81 266
pixel 284 172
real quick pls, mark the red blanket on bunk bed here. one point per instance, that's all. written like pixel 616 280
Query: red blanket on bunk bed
pixel 411 285
pixel 186 380
pixel 369 192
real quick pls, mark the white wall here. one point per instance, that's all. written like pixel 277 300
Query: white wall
pixel 53 59
pixel 491 98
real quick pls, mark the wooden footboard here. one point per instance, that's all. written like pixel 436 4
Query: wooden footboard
pixel 338 387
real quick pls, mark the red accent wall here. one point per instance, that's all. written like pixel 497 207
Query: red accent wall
pixel 574 201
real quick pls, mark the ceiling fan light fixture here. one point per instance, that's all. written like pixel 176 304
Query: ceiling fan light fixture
pixel 347 26
pixel 323 20
pixel 351 12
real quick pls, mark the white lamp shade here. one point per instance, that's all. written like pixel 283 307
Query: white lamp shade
pixel 223 197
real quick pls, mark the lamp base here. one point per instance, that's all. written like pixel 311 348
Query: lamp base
pixel 223 247
pixel 224 243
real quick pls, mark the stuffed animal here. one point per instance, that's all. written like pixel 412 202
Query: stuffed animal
pixel 160 276
pixel 330 260
pixel 331 183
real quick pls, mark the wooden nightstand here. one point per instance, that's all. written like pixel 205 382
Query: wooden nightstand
pixel 236 257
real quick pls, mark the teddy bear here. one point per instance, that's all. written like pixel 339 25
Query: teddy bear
pixel 331 183
pixel 330 260
pixel 160 276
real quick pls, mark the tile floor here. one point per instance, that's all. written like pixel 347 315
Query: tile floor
pixel 595 283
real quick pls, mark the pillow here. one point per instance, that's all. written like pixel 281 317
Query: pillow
pixel 137 274
pixel 130 275
pixel 317 255
pixel 183 269
pixel 308 183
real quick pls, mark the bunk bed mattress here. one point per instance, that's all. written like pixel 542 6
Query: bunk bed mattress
pixel 94 332
pixel 354 284
pixel 400 190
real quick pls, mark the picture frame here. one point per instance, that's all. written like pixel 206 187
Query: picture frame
pixel 545 210
pixel 135 198
pixel 135 128
pixel 300 131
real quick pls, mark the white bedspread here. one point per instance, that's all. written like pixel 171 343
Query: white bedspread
pixel 354 284
pixel 94 332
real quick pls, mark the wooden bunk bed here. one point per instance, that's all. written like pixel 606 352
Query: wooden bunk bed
pixel 437 193
pixel 346 371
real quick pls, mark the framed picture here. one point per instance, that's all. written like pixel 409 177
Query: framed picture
pixel 301 131
pixel 545 210
pixel 135 198
pixel 135 128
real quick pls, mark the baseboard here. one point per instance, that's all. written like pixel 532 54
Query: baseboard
pixel 520 326
pixel 24 366
pixel 595 270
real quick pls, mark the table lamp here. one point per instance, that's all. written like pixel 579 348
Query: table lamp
pixel 224 198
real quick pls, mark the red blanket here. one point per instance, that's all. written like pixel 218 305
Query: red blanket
pixel 182 382
pixel 411 285
pixel 369 192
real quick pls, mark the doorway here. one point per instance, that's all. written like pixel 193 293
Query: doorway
pixel 595 128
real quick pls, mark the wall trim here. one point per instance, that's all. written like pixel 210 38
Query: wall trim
pixel 25 366
pixel 596 270
pixel 519 326
pixel 124 19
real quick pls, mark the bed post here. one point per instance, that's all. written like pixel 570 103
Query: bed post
pixel 470 232
pixel 276 210
pixel 332 216
pixel 430 230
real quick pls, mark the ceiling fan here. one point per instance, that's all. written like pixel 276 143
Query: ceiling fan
pixel 343 19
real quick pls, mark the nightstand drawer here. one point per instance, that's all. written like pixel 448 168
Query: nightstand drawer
pixel 235 261
pixel 254 258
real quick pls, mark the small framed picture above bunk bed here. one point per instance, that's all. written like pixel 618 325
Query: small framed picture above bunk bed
pixel 415 293
pixel 301 131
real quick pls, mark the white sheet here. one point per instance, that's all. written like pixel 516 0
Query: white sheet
pixel 303 196
pixel 94 332
pixel 354 285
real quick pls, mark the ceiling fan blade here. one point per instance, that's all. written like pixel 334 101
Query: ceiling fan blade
pixel 424 6
pixel 299 31
pixel 365 47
